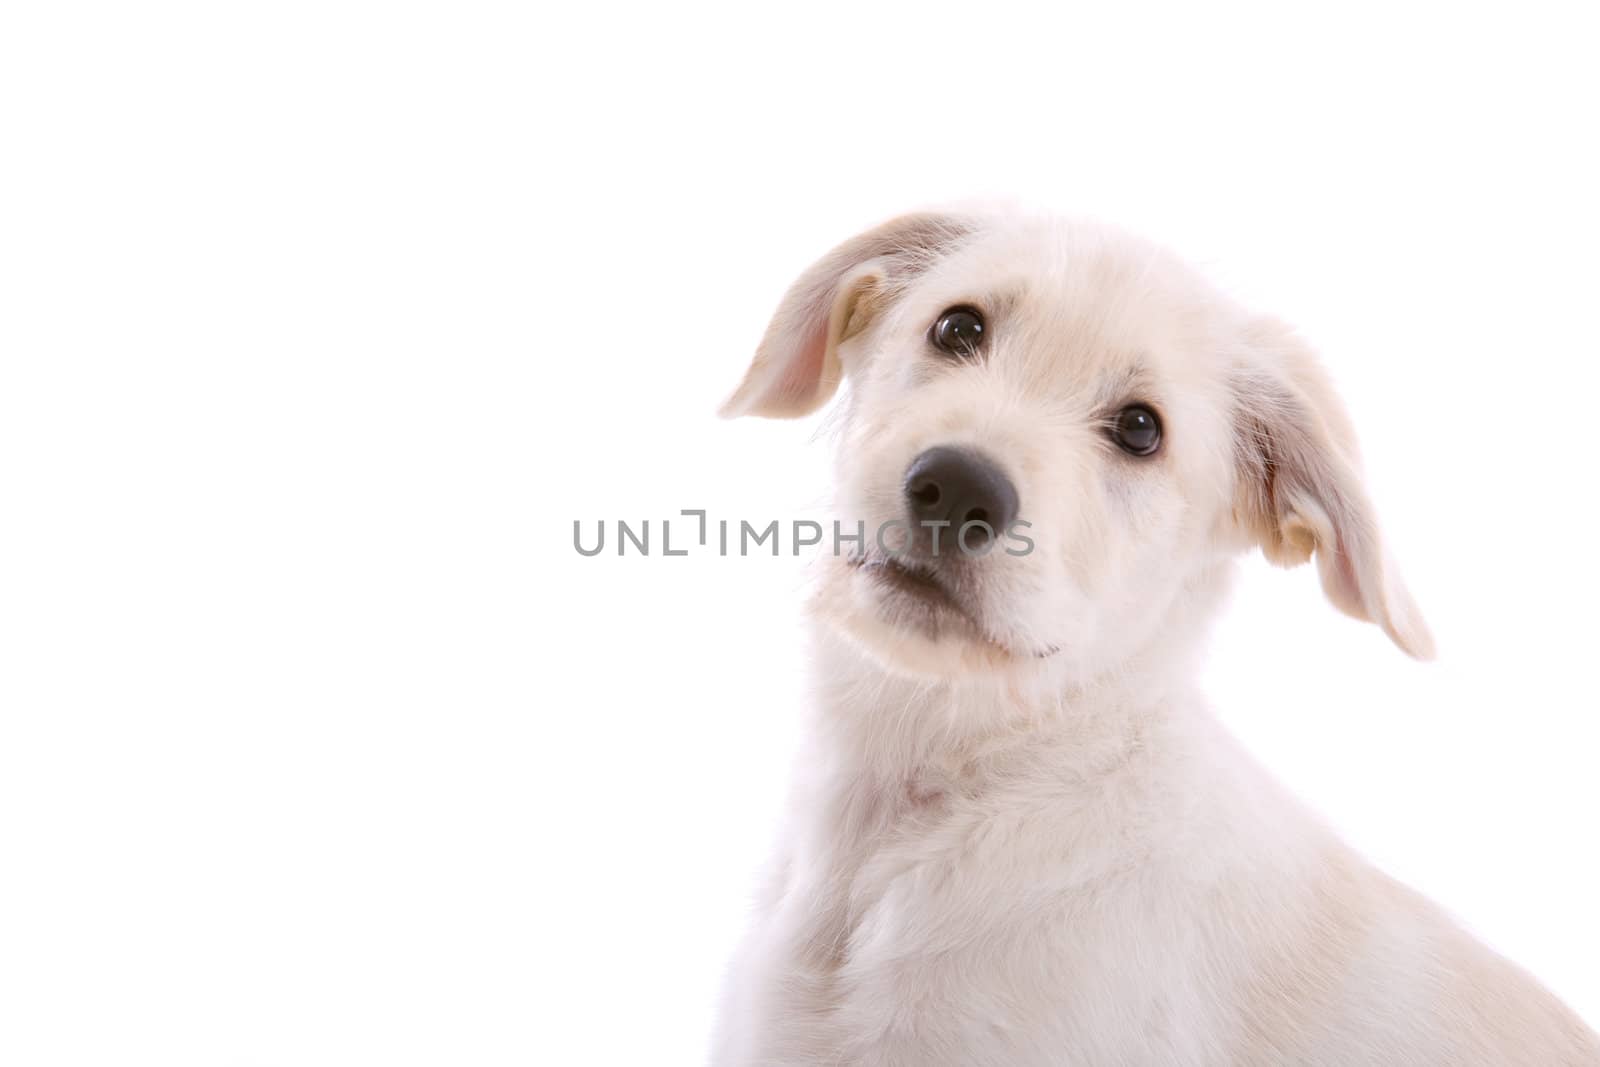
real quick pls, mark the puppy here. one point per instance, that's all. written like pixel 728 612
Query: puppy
pixel 1018 835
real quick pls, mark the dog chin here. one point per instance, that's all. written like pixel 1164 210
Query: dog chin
pixel 907 634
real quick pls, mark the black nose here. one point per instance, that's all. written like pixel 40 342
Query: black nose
pixel 958 486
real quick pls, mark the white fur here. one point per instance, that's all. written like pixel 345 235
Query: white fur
pixel 1021 837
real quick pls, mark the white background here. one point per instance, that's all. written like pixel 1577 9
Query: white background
pixel 321 323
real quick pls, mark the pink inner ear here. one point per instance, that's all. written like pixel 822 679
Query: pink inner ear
pixel 803 370
pixel 1346 566
pixel 1342 581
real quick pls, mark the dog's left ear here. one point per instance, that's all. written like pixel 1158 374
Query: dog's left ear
pixel 1300 489
pixel 796 368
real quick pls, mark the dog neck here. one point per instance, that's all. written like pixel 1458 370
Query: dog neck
pixel 875 720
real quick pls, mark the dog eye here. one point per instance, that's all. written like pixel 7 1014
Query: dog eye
pixel 959 331
pixel 1137 430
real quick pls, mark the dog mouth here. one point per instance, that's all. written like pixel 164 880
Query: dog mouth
pixel 918 596
pixel 915 583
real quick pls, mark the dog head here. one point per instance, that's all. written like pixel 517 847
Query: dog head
pixel 1055 437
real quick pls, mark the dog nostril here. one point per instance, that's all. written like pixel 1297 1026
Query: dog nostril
pixel 927 496
pixel 975 537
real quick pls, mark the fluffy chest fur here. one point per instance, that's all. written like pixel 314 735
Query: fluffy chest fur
pixel 997 903
pixel 1114 883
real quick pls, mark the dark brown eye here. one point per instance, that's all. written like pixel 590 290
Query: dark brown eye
pixel 959 331
pixel 1137 430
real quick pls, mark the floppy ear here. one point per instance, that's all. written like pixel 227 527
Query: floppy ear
pixel 1300 489
pixel 796 368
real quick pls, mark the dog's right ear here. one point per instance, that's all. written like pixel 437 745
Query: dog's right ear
pixel 796 368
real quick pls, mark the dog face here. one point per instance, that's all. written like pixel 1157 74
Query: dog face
pixel 1055 437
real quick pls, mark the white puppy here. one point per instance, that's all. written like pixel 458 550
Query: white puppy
pixel 1019 836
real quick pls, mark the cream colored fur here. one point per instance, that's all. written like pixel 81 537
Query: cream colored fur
pixel 1023 838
